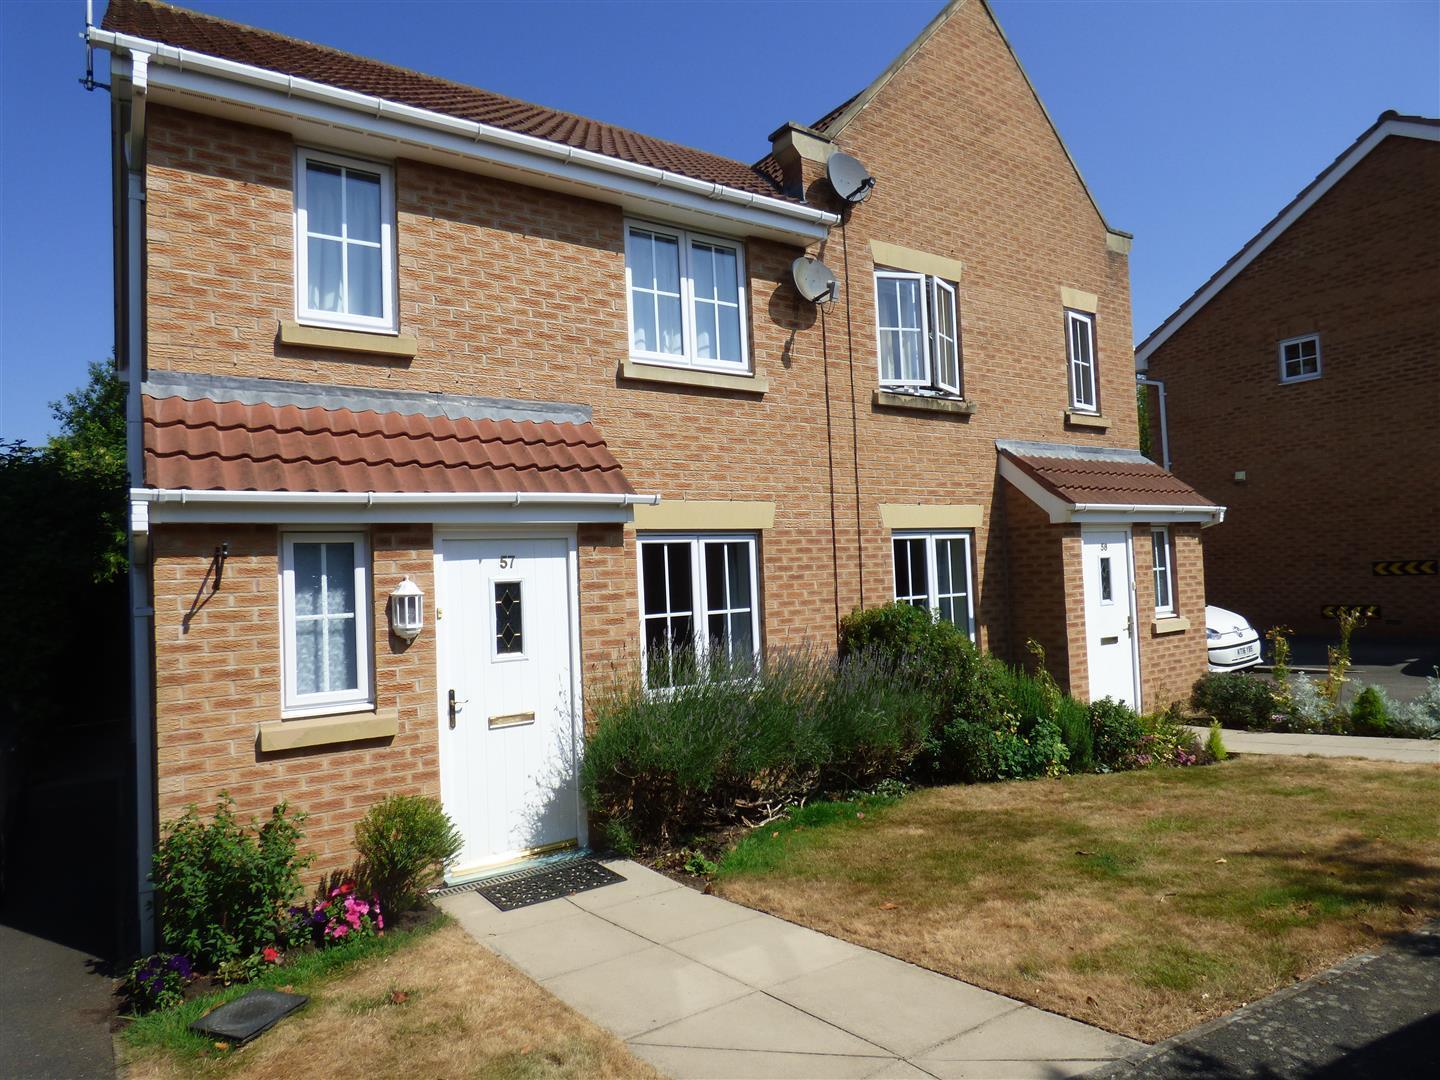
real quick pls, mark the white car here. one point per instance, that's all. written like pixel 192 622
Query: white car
pixel 1233 643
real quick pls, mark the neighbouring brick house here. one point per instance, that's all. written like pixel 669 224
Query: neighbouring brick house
pixel 380 326
pixel 1300 390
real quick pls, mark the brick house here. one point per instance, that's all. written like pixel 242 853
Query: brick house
pixel 379 326
pixel 1299 389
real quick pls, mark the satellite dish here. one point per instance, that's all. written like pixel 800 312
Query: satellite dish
pixel 814 280
pixel 849 178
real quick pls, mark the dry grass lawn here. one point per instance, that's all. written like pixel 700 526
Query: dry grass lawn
pixel 444 1007
pixel 1143 902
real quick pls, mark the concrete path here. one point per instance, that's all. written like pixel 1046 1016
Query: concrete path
pixel 54 1011
pixel 1376 1015
pixel 701 987
pixel 1413 751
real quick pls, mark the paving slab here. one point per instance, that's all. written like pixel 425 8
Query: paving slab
pixel 678 913
pixel 765 951
pixel 701 987
pixel 640 992
pixel 557 946
pixel 760 1022
pixel 1410 751
pixel 689 1063
pixel 903 1008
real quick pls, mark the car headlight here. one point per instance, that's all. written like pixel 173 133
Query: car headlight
pixel 1211 634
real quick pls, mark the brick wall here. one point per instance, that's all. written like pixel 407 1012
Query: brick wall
pixel 1342 470
pixel 1170 662
pixel 217 677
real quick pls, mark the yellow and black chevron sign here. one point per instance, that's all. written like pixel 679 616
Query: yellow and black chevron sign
pixel 1365 611
pixel 1406 567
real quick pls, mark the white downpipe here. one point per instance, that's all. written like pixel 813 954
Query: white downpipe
pixel 1159 384
pixel 381 108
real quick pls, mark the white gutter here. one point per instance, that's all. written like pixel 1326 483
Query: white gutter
pixel 191 497
pixel 479 135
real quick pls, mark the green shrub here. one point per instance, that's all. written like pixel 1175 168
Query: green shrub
pixel 1370 713
pixel 1419 719
pixel 1166 740
pixel 1309 711
pixel 735 739
pixel 404 843
pixel 1073 720
pixel 157 982
pixel 1006 730
pixel 1116 732
pixel 223 888
pixel 1215 743
pixel 1236 699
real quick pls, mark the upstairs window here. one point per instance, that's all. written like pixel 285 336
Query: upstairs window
pixel 932 571
pixel 344 242
pixel 1300 358
pixel 1080 352
pixel 1164 583
pixel 325 633
pixel 686 295
pixel 917 321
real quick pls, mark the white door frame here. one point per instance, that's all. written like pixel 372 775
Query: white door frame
pixel 1130 587
pixel 568 533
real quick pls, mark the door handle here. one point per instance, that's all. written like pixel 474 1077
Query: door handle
pixel 456 706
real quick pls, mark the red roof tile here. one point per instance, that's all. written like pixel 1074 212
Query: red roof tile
pixel 210 445
pixel 322 64
pixel 1108 481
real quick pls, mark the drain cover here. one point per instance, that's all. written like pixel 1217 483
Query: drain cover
pixel 242 1019
pixel 526 887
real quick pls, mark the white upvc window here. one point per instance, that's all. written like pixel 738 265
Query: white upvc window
pixel 1164 575
pixel 917 325
pixel 698 602
pixel 344 242
pixel 685 294
pixel 1080 352
pixel 324 619
pixel 1300 358
pixel 932 571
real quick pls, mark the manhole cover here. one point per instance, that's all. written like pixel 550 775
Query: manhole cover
pixel 242 1019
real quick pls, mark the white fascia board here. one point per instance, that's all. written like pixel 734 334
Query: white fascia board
pixel 183 74
pixel 162 506
pixel 1272 232
pixel 1063 512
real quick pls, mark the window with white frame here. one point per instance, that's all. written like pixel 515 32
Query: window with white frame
pixel 1080 352
pixel 1300 358
pixel 344 242
pixel 686 295
pixel 698 604
pixel 324 601
pixel 932 571
pixel 1164 576
pixel 917 322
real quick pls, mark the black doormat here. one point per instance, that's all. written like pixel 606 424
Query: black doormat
pixel 525 887
pixel 242 1019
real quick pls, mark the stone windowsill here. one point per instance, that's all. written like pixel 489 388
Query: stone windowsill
pixel 326 730
pixel 919 403
pixel 1170 624
pixel 640 371
pixel 1087 420
pixel 400 346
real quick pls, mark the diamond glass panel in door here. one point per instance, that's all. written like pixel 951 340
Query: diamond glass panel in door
pixel 669 613
pixel 509 619
pixel 728 604
pixel 952 581
pixel 715 275
pixel 912 579
pixel 653 260
pixel 1107 592
pixel 902 329
pixel 325 645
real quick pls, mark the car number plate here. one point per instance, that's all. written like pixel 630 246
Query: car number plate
pixel 1246 650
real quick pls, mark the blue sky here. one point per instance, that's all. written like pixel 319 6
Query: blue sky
pixel 1193 122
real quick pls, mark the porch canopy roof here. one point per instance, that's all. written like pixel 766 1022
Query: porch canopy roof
pixel 232 449
pixel 1101 485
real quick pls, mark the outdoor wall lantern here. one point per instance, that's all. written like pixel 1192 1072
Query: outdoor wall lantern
pixel 407 610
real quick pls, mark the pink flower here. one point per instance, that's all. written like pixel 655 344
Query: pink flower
pixel 339 931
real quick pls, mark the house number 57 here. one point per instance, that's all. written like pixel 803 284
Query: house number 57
pixel 507 561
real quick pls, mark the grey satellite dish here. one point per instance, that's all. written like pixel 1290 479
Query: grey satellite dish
pixel 849 178
pixel 814 280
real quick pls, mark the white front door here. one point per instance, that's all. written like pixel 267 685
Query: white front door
pixel 508 746
pixel 1109 614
